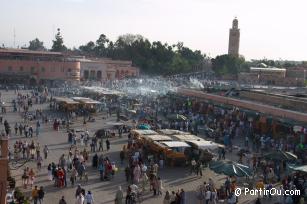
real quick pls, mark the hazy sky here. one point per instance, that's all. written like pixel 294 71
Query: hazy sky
pixel 269 28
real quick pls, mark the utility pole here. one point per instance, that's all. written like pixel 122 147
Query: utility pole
pixel 14 37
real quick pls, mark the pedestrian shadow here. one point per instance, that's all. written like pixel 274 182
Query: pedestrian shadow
pixel 63 143
pixel 183 181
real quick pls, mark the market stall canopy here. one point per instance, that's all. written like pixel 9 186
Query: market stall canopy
pixel 85 100
pixel 144 127
pixel 297 128
pixel 114 123
pixel 145 132
pixel 65 100
pixel 302 168
pixel 172 144
pixel 123 117
pixel 186 137
pixel 176 117
pixel 279 155
pixel 230 168
pixel 158 137
pixel 205 144
pixel 172 132
pixel 131 111
pixel 101 133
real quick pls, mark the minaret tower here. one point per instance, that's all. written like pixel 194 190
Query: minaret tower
pixel 234 39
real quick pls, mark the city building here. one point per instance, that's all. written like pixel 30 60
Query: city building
pixel 271 76
pixel 234 39
pixel 4 168
pixel 106 69
pixel 297 72
pixel 37 67
pixel 48 68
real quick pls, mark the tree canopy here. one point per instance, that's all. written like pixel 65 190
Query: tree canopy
pixel 58 43
pixel 228 64
pixel 151 57
pixel 36 45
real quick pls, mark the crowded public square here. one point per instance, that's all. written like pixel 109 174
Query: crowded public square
pixel 153 102
pixel 94 145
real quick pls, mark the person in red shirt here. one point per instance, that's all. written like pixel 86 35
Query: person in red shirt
pixel 61 177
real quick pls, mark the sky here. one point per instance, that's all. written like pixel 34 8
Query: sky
pixel 272 29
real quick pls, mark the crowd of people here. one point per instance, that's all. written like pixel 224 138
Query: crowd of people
pixel 143 173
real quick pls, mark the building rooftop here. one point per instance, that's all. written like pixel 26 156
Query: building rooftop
pixel 274 69
pixel 26 51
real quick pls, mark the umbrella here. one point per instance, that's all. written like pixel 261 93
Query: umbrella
pixel 100 133
pixel 302 168
pixel 230 168
pixel 122 117
pixel 279 155
pixel 114 123
pixel 144 127
pixel 176 117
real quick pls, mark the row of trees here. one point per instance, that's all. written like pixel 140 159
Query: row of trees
pixel 156 57
pixel 151 58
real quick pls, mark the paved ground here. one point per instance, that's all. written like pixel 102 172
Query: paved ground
pixel 104 192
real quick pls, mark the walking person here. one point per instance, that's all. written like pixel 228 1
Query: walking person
pixel 100 148
pixel 155 186
pixel 41 195
pixel 193 165
pixel 167 198
pixel 49 168
pixel 119 196
pixel 160 186
pixel 122 157
pixel 39 162
pixel 199 168
pixel 30 131
pixel 62 200
pixel 38 125
pixel 20 129
pixel 45 150
pixel 16 128
pixel 34 194
pixel 89 199
pixel 207 196
pixel 108 144
pixel 26 130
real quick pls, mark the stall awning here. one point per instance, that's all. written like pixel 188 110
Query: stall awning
pixel 176 144
pixel 65 100
pixel 172 132
pixel 186 137
pixel 85 100
pixel 158 137
pixel 145 132
pixel 205 144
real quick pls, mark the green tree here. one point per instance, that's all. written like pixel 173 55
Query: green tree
pixel 151 58
pixel 228 64
pixel 101 46
pixel 36 45
pixel 58 43
pixel 88 49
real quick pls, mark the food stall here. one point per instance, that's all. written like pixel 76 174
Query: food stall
pixel 138 133
pixel 87 103
pixel 65 104
pixel 186 137
pixel 153 142
pixel 172 132
pixel 203 149
pixel 175 152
